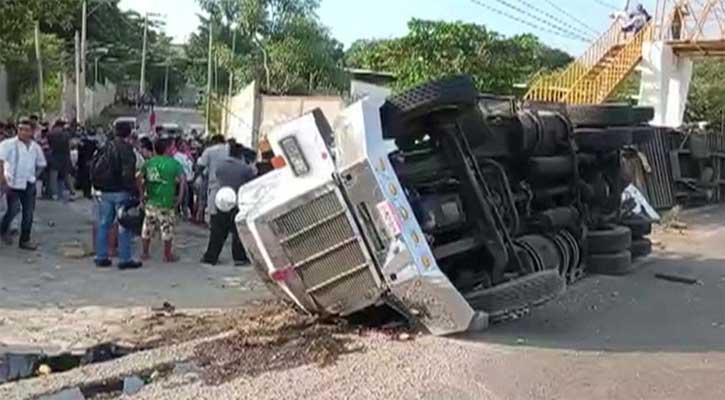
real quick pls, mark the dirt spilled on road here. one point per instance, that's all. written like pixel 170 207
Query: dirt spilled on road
pixel 271 337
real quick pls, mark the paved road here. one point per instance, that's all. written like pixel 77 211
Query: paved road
pixel 625 338
pixel 184 117
pixel 49 279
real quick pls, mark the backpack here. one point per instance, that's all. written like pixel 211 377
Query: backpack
pixel 105 168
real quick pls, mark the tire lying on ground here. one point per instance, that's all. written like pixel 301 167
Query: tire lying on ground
pixel 603 140
pixel 601 115
pixel 612 239
pixel 641 248
pixel 640 226
pixel 400 109
pixel 610 264
pixel 528 291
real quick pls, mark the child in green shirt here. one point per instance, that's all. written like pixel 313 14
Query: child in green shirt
pixel 159 181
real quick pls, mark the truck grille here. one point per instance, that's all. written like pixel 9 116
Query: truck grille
pixel 324 250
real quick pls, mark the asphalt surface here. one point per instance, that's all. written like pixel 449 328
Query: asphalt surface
pixel 184 117
pixel 49 278
pixel 631 337
pixel 638 312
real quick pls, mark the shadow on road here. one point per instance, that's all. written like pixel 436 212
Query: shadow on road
pixel 634 313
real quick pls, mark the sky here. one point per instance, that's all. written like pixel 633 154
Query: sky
pixel 350 20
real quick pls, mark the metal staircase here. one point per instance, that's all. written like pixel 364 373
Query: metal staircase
pixel 594 76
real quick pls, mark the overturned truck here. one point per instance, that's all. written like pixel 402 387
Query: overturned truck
pixel 452 207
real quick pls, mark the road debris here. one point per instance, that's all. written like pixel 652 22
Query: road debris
pixel 274 337
pixel 678 279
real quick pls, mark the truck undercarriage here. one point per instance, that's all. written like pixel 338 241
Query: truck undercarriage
pixel 479 209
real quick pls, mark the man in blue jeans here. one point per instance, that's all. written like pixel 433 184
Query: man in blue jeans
pixel 21 162
pixel 114 176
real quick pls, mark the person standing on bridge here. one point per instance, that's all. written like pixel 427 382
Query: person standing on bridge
pixel 21 163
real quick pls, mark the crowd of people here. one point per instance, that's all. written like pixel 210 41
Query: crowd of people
pixel 167 177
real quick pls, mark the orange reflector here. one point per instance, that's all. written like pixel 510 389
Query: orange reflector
pixel 264 145
pixel 281 275
pixel 278 162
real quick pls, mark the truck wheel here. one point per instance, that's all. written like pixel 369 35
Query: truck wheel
pixel 642 134
pixel 528 291
pixel 611 240
pixel 414 103
pixel 610 264
pixel 551 167
pixel 640 226
pixel 641 248
pixel 601 115
pixel 602 140
pixel 642 115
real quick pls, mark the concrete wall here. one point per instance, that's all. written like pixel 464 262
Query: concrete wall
pixel 361 89
pixel 95 99
pixel 4 102
pixel 665 83
pixel 241 118
pixel 251 115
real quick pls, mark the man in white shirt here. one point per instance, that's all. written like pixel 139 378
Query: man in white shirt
pixel 21 162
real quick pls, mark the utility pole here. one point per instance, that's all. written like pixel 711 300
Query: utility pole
pixel 231 67
pixel 84 31
pixel 78 75
pixel 41 93
pixel 95 73
pixel 166 84
pixel 142 84
pixel 231 83
pixel 208 78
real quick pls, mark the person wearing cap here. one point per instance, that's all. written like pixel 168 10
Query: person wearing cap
pixel 21 163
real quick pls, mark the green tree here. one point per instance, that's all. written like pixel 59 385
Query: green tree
pixel 19 16
pixel 433 49
pixel 114 37
pixel 706 100
pixel 280 43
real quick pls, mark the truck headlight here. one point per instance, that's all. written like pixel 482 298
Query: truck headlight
pixel 294 155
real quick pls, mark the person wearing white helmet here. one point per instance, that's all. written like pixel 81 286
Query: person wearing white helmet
pixel 232 172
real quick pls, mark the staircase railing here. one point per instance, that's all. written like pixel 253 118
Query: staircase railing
pixel 555 85
pixel 597 88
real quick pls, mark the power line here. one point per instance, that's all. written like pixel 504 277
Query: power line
pixel 573 18
pixel 565 24
pixel 523 21
pixel 543 21
pixel 608 5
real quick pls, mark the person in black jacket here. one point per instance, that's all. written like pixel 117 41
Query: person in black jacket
pixel 116 188
pixel 59 162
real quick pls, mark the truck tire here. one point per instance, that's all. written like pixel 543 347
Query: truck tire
pixel 613 239
pixel 641 248
pixel 601 115
pixel 528 291
pixel 610 264
pixel 602 140
pixel 640 226
pixel 400 109
pixel 642 134
pixel 642 115
pixel 551 167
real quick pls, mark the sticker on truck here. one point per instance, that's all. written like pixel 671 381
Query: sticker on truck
pixel 389 215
